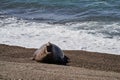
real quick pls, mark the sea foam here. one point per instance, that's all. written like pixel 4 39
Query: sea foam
pixel 90 35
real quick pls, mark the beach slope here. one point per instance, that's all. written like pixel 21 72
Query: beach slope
pixel 16 63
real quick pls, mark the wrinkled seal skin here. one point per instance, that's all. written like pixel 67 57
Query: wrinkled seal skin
pixel 50 53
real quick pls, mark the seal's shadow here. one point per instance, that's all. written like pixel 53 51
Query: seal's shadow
pixel 50 60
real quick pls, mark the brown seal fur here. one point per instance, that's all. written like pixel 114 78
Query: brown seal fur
pixel 50 53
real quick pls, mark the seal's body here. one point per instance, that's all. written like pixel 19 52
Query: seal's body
pixel 49 52
pixel 57 52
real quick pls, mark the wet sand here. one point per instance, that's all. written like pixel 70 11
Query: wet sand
pixel 16 63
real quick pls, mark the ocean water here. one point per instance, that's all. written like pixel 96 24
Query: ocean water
pixel 92 25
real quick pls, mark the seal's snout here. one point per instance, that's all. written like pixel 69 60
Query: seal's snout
pixel 49 48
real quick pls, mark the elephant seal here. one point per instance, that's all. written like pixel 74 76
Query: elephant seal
pixel 50 53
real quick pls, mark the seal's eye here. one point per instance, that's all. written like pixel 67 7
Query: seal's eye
pixel 49 48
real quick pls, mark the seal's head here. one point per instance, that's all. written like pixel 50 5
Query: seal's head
pixel 49 47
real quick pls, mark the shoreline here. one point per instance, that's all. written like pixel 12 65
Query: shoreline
pixel 78 58
pixel 16 63
pixel 67 49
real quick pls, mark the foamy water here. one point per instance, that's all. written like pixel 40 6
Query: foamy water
pixel 88 35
